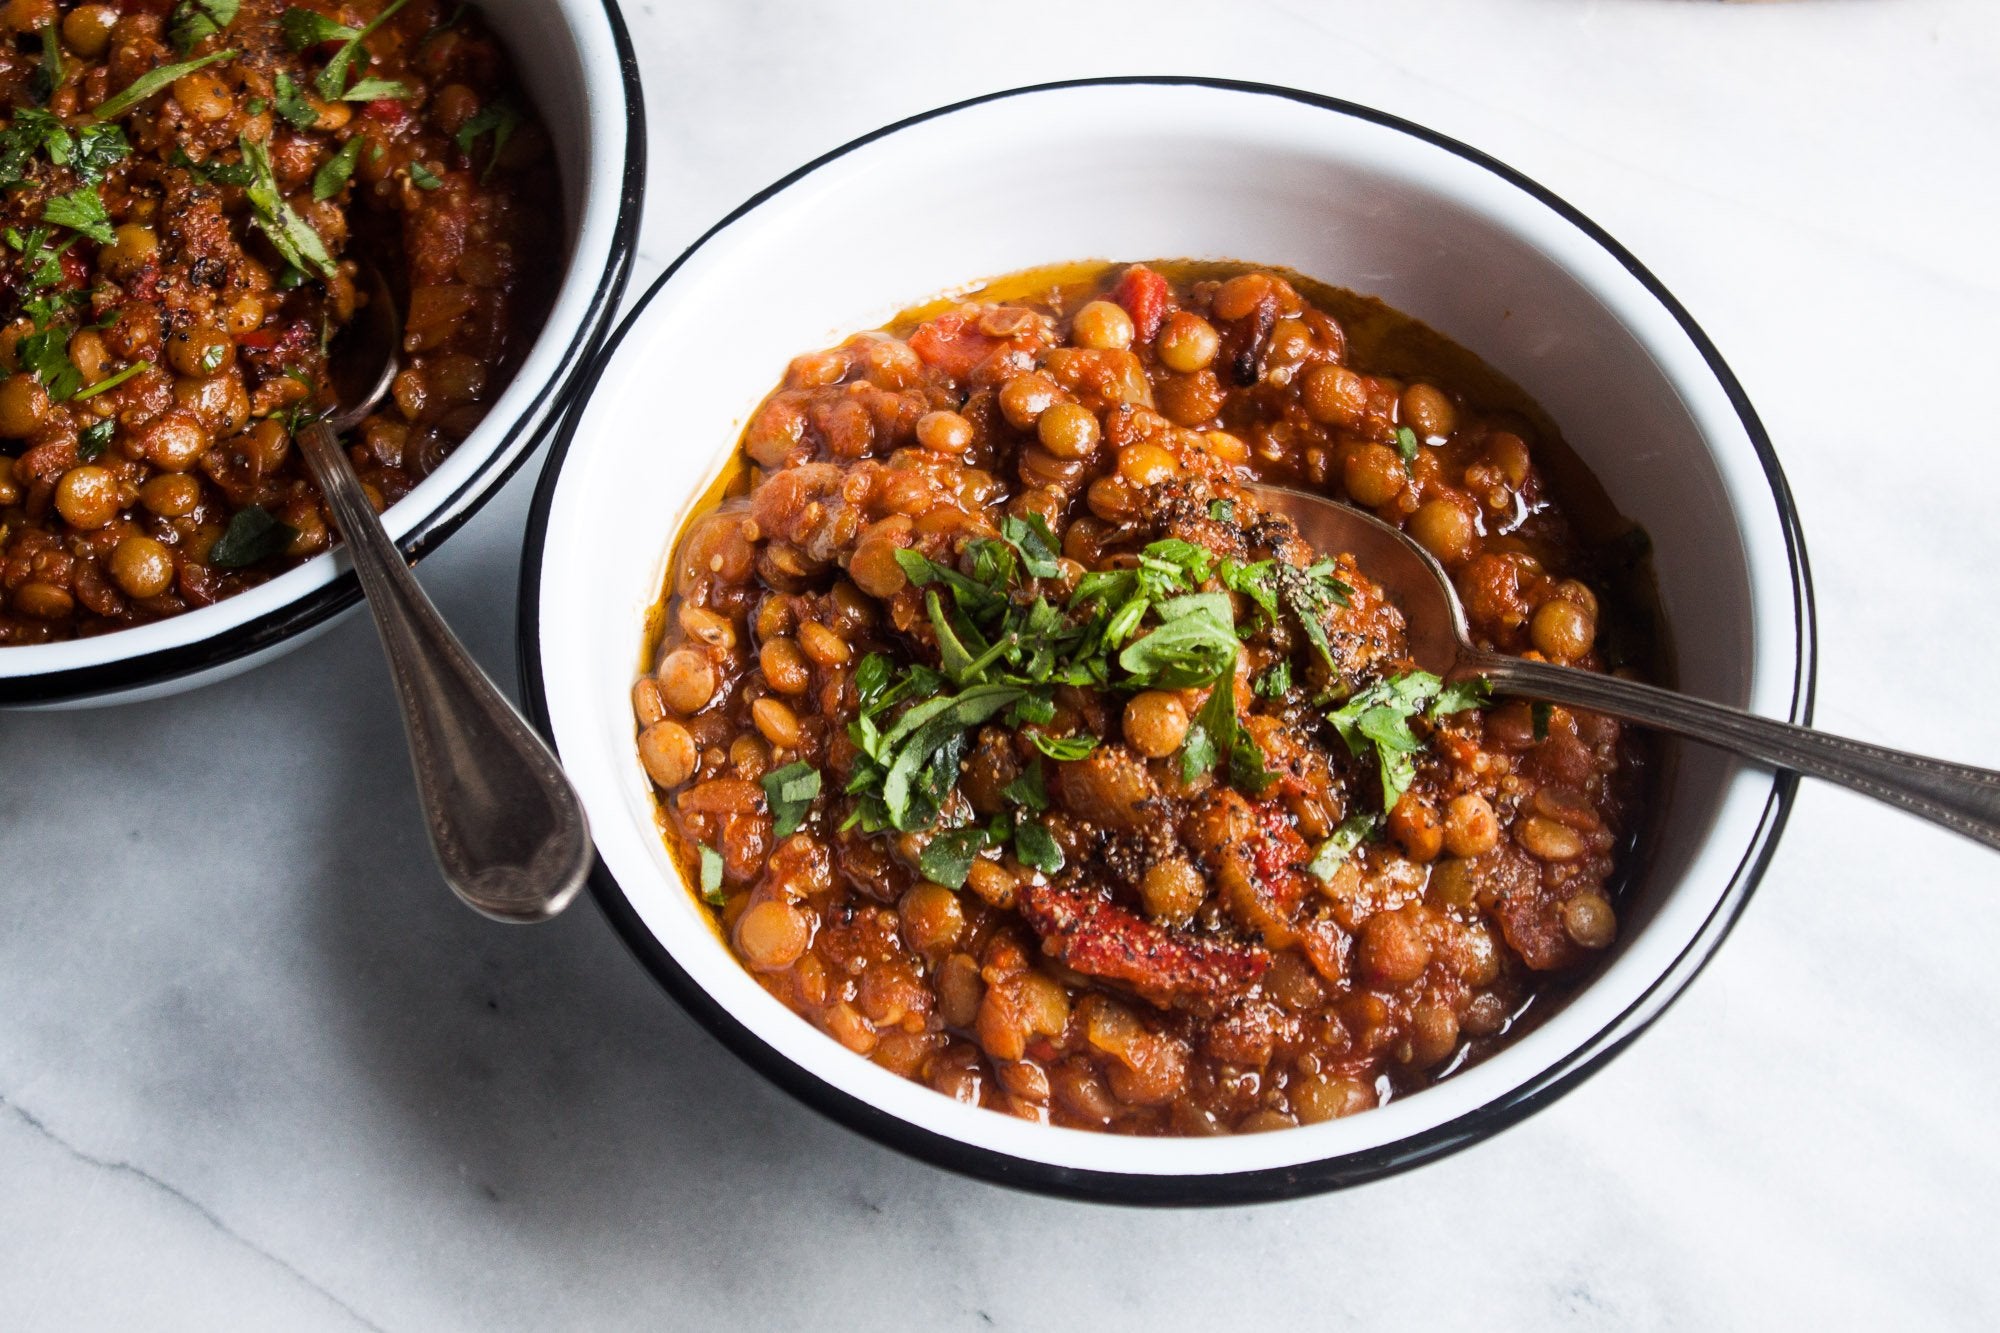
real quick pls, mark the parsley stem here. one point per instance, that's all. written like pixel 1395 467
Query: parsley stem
pixel 153 81
pixel 112 381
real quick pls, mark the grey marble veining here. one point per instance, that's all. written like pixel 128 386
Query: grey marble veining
pixel 258 1069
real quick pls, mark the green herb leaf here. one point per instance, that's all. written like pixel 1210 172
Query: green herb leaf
pixel 1353 831
pixel 947 858
pixel 1037 847
pixel 289 101
pixel 377 90
pixel 1194 647
pixel 711 876
pixel 290 235
pixel 154 81
pixel 252 537
pixel 1406 445
pixel 99 148
pixel 1172 565
pixel 496 118
pixel 926 743
pixel 1274 682
pixel 194 20
pixel 1257 581
pixel 1222 511
pixel 332 80
pixel 1038 546
pixel 333 173
pixel 1459 695
pixel 303 28
pixel 1030 790
pixel 1311 595
pixel 94 439
pixel 1063 748
pixel 49 73
pixel 110 382
pixel 1377 721
pixel 790 791
pixel 45 355
pixel 1540 716
pixel 1213 732
pixel 82 209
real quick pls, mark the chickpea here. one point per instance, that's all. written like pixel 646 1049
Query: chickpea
pixel 1548 840
pixel 1415 826
pixel 994 883
pixel 10 490
pixel 785 666
pixel 1241 295
pixel 1173 891
pixel 87 497
pixel 1429 411
pixel 1433 1035
pixel 1589 920
pixel 29 15
pixel 141 566
pixel 88 354
pixel 86 29
pixel 1562 630
pixel 932 919
pixel 1190 400
pixel 1393 950
pixel 1334 395
pixel 944 432
pixel 874 568
pixel 1186 343
pixel 203 96
pixel 1068 430
pixel 1508 452
pixel 24 404
pixel 244 314
pixel 1445 530
pixel 1470 826
pixel 1156 722
pixel 668 752
pixel 134 245
pixel 171 494
pixel 1024 398
pixel 174 440
pixel 824 646
pixel 771 935
pixel 44 601
pixel 1374 474
pixel 1144 464
pixel 687 680
pixel 200 353
pixel 777 722
pixel 1103 326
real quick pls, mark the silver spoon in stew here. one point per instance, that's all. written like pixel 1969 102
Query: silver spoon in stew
pixel 1958 796
pixel 506 825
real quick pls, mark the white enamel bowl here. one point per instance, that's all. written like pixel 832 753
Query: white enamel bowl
pixel 577 62
pixel 1130 169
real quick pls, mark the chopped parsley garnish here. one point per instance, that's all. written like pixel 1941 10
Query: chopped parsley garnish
pixel 1037 847
pixel 48 74
pixel 195 20
pixel 99 148
pixel 334 172
pixel 1377 721
pixel 790 791
pixel 82 210
pixel 423 177
pixel 1540 716
pixel 110 382
pixel 1222 511
pixel 94 439
pixel 291 105
pixel 1063 749
pixel 303 28
pixel 252 537
pixel 496 118
pixel 947 858
pixel 1034 542
pixel 290 235
pixel 332 81
pixel 1353 831
pixel 1274 682
pixel 154 81
pixel 1406 445
pixel 711 875
pixel 377 90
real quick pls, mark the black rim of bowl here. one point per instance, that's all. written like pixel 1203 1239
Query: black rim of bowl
pixel 543 412
pixel 1267 1184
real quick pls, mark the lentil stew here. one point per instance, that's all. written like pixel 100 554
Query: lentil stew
pixel 189 191
pixel 1014 747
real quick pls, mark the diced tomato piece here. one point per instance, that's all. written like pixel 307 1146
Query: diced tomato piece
pixel 952 344
pixel 387 111
pixel 258 340
pixel 1144 294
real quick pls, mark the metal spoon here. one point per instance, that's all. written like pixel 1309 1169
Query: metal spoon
pixel 507 827
pixel 1958 796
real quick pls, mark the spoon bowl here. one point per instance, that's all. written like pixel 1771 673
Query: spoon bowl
pixel 1958 796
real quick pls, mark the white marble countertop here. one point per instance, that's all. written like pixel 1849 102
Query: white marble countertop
pixel 258 1070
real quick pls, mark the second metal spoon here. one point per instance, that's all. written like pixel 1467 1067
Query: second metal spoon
pixel 1958 796
pixel 507 827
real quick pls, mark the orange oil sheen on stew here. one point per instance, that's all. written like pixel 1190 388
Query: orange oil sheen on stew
pixel 1198 964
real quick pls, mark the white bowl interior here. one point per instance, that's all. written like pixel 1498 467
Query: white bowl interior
pixel 563 50
pixel 1148 171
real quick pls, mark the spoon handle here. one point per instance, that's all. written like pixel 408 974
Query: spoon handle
pixel 507 827
pixel 1960 797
